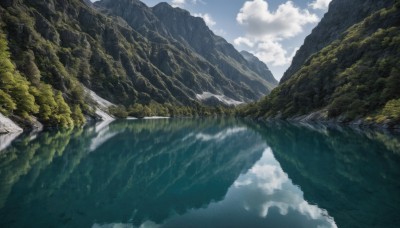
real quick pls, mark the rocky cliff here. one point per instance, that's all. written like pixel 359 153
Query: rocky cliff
pixel 165 24
pixel 258 66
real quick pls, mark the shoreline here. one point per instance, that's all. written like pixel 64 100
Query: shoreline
pixel 355 124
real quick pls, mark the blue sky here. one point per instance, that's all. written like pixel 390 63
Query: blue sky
pixel 271 29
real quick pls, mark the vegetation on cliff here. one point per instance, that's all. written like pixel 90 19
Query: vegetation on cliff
pixel 22 98
pixel 56 48
pixel 356 76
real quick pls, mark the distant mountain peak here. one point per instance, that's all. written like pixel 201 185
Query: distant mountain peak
pixel 134 2
pixel 260 67
pixel 163 5
pixel 126 52
pixel 178 27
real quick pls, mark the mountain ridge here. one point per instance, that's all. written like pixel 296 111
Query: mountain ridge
pixel 332 27
pixel 61 47
pixel 260 67
pixel 355 79
pixel 185 31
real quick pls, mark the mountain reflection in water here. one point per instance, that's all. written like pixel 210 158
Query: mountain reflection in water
pixel 200 173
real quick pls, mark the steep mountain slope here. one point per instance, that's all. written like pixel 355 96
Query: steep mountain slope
pixel 165 24
pixel 260 67
pixel 341 16
pixel 356 77
pixel 60 47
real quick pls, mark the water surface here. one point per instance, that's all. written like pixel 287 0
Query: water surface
pixel 201 173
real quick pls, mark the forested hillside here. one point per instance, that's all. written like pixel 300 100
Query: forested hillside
pixel 356 77
pixel 24 97
pixel 341 16
pixel 57 48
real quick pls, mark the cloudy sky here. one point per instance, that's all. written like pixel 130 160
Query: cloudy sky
pixel 271 29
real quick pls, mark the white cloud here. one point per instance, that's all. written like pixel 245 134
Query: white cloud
pixel 272 52
pixel 266 29
pixel 199 1
pixel 221 135
pixel 287 21
pixel 266 186
pixel 181 3
pixel 243 41
pixel 320 4
pixel 178 3
pixel 220 32
pixel 269 51
pixel 207 18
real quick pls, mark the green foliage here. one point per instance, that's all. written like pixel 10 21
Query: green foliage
pixel 389 113
pixel 53 45
pixel 118 111
pixel 14 95
pixel 169 110
pixel 45 99
pixel 6 103
pixel 25 101
pixel 392 109
pixel 353 77
pixel 77 115
pixel 54 111
pixel 21 98
pixel 63 112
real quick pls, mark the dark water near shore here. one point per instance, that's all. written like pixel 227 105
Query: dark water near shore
pixel 201 173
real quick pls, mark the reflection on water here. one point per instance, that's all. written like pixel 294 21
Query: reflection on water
pixel 354 175
pixel 200 173
pixel 6 139
pixel 264 196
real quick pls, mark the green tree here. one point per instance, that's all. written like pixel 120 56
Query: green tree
pixel 77 115
pixel 6 103
pixel 15 88
pixel 63 113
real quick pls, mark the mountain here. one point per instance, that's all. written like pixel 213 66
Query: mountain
pixel 124 51
pixel 354 78
pixel 341 16
pixel 165 24
pixel 260 67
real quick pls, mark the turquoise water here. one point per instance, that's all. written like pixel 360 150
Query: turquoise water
pixel 201 173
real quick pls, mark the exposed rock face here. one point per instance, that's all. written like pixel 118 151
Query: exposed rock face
pixel 8 126
pixel 126 52
pixel 260 67
pixel 176 27
pixel 341 16
pixel 88 2
pixel 7 139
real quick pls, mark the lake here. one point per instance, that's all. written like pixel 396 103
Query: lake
pixel 201 173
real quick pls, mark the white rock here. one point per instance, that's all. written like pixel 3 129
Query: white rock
pixel 6 139
pixel 8 126
pixel 101 102
pixel 103 115
pixel 222 98
pixel 102 105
